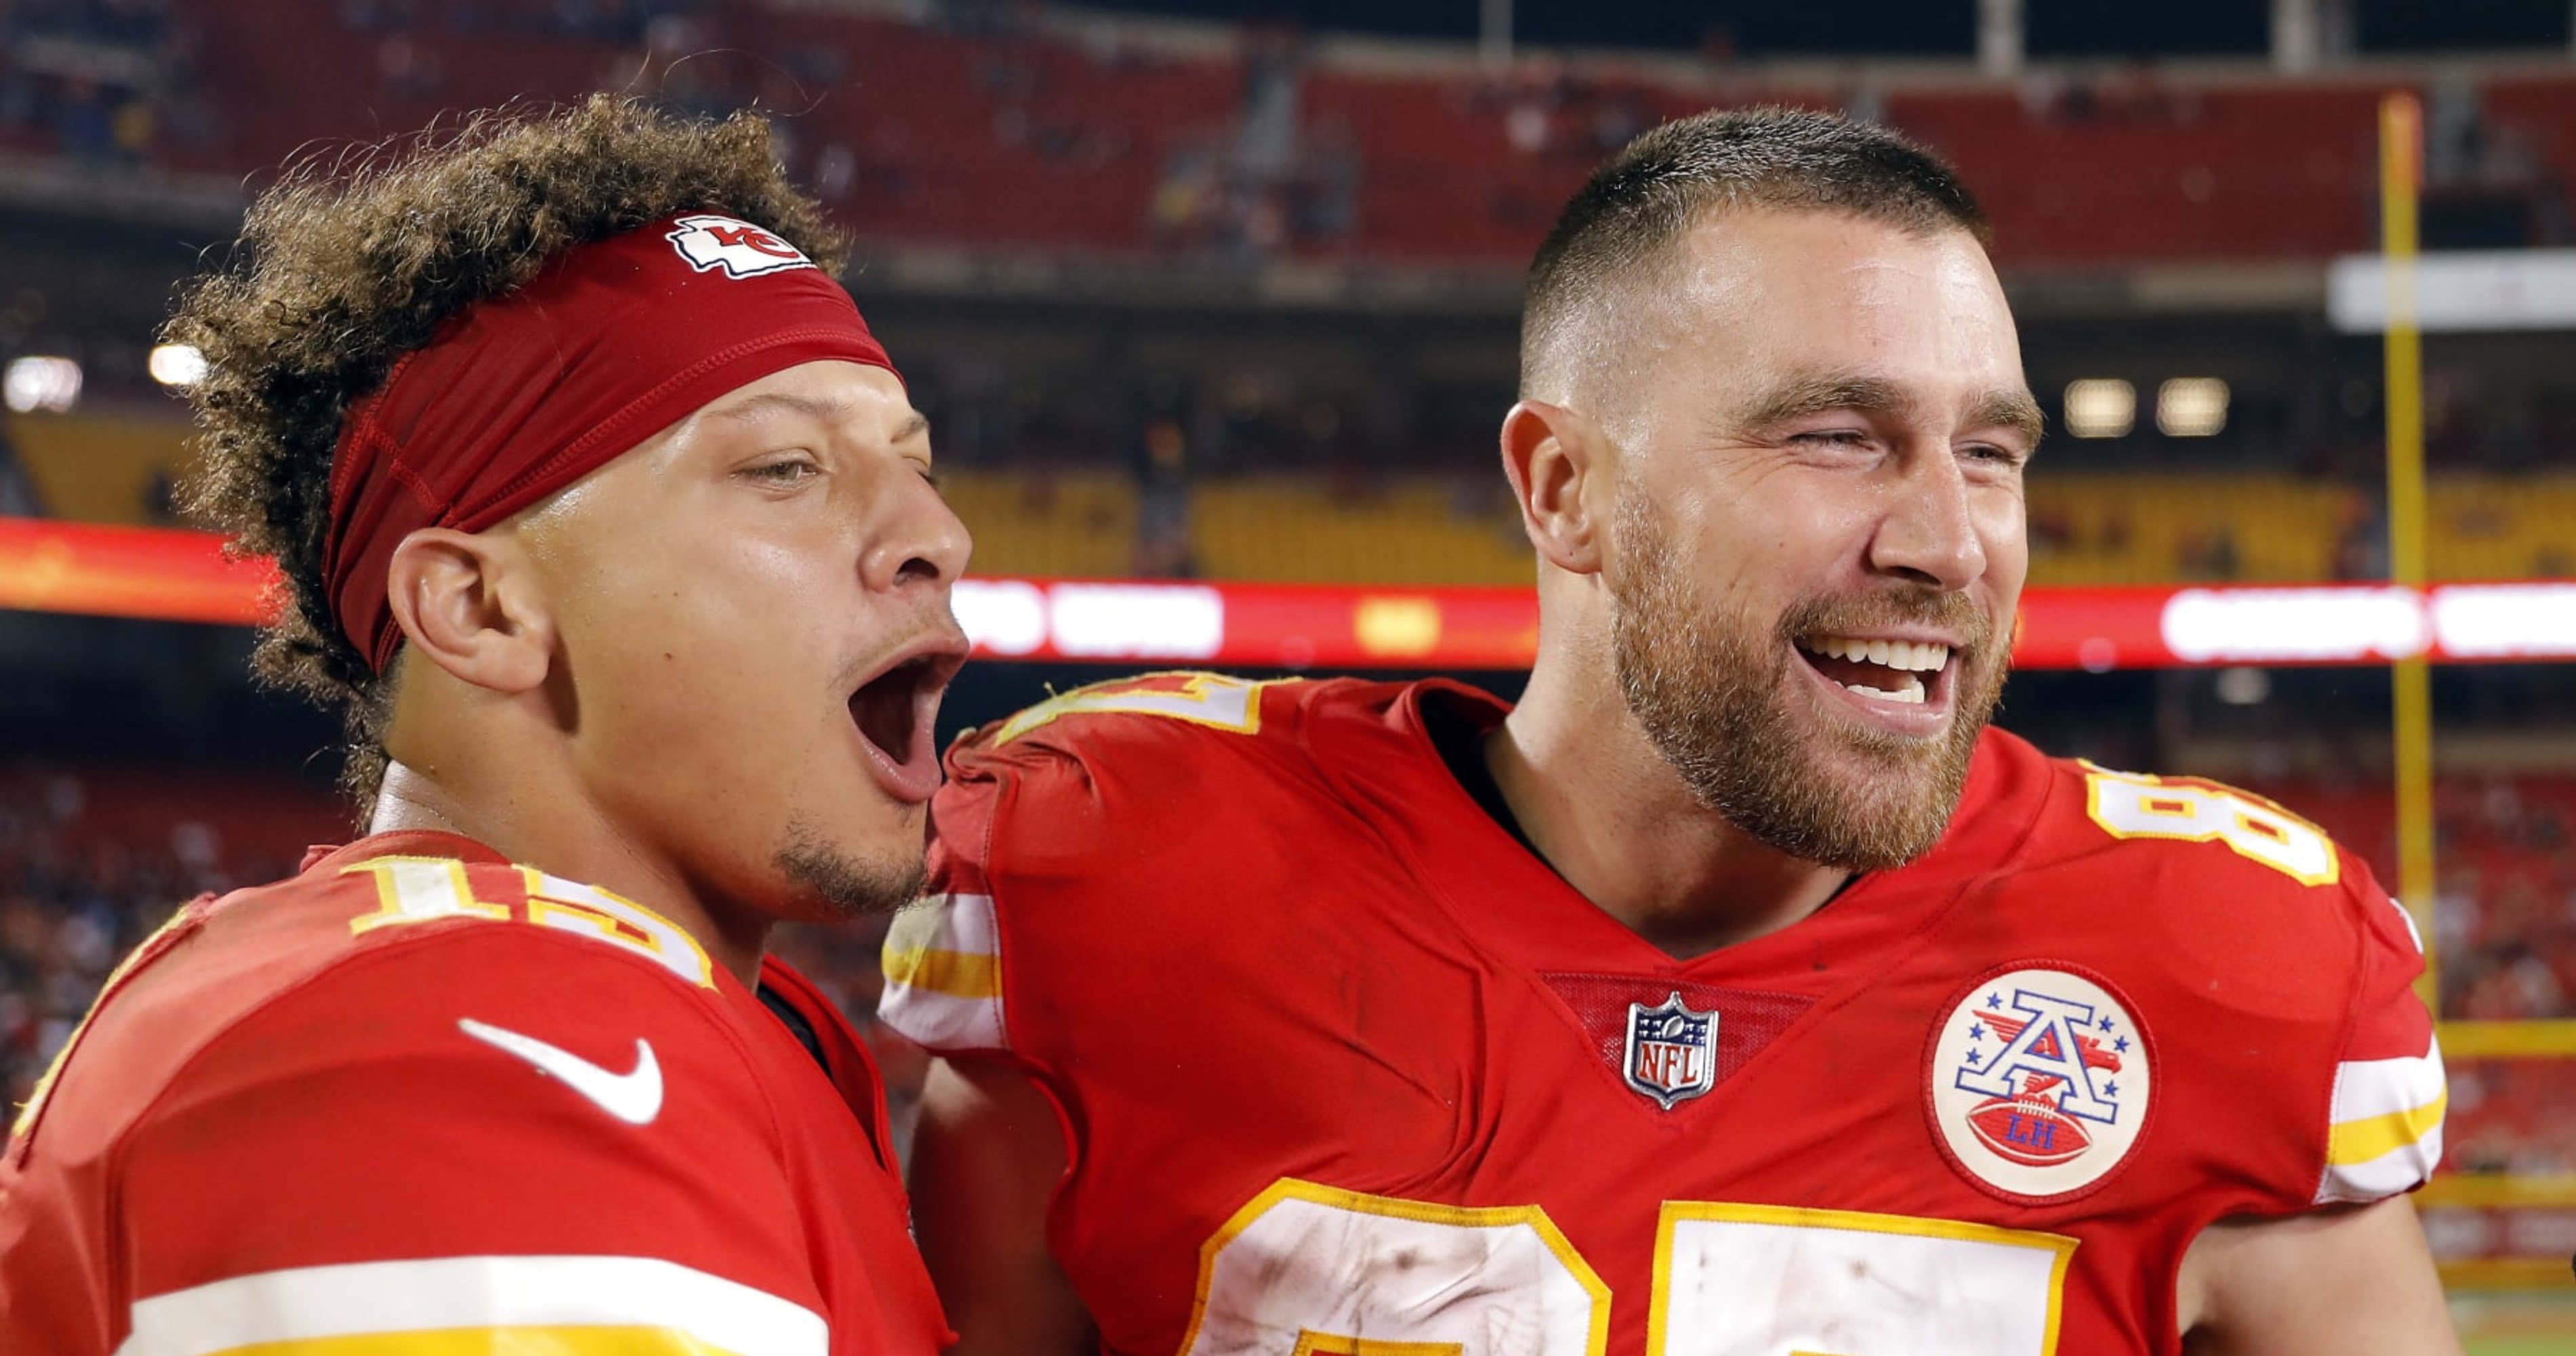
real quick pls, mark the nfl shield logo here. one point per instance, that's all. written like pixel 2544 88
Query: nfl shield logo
pixel 1672 1051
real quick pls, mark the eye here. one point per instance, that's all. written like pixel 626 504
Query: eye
pixel 791 469
pixel 1832 437
pixel 1994 455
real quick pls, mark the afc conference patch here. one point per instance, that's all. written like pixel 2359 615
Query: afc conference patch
pixel 739 248
pixel 2040 1081
pixel 1671 1051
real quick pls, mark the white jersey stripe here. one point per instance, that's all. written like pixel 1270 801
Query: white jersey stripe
pixel 950 922
pixel 2390 1109
pixel 942 966
pixel 2366 1089
pixel 368 1298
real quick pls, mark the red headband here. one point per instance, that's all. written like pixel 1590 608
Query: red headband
pixel 521 395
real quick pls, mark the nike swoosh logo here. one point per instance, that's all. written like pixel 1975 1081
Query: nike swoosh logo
pixel 634 1097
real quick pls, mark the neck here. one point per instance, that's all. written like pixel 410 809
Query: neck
pixel 1614 819
pixel 563 833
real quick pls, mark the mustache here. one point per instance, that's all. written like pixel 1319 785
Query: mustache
pixel 1893 609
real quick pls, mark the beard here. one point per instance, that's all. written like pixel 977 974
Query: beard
pixel 1711 690
pixel 845 885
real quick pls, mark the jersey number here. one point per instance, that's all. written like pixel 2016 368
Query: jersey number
pixel 2129 805
pixel 1313 1269
pixel 429 889
pixel 1209 699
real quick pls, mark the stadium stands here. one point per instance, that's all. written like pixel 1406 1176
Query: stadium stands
pixel 2085 528
pixel 101 468
pixel 1073 137
pixel 1068 526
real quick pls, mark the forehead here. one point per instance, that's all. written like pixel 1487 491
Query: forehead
pixel 869 397
pixel 1765 290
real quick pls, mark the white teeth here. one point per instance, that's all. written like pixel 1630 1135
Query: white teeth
pixel 1910 695
pixel 1911 656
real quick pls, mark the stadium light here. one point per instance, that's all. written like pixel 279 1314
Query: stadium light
pixel 2244 685
pixel 2191 407
pixel 39 383
pixel 177 364
pixel 2101 407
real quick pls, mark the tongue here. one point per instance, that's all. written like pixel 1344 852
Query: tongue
pixel 1864 673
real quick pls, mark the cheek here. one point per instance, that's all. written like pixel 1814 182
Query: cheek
pixel 1763 542
pixel 2003 530
pixel 690 650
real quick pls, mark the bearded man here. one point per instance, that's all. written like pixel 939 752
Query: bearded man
pixel 1738 994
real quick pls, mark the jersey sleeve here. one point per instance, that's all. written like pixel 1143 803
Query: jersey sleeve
pixel 1072 783
pixel 943 956
pixel 2385 1133
pixel 498 1137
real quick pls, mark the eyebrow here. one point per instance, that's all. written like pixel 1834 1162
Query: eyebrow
pixel 824 409
pixel 1817 393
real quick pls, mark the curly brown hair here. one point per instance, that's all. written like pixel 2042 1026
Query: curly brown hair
pixel 346 266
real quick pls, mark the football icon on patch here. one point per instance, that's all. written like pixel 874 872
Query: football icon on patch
pixel 739 248
pixel 1671 1053
pixel 2040 1081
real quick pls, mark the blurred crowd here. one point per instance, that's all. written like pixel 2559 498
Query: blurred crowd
pixel 2508 907
pixel 96 80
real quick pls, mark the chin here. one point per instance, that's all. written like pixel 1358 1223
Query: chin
pixel 847 878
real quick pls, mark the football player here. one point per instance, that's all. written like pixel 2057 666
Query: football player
pixel 1740 993
pixel 609 522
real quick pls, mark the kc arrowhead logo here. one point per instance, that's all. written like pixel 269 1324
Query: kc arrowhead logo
pixel 740 249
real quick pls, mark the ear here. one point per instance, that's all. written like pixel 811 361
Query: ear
pixel 471 604
pixel 1560 473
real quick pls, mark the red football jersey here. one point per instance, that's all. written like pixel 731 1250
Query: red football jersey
pixel 420 1090
pixel 1343 1064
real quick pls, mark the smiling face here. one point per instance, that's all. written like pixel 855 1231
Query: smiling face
pixel 753 633
pixel 1818 542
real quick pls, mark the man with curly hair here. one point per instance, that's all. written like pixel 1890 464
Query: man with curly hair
pixel 609 525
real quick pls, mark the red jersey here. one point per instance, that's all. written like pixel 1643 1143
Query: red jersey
pixel 417 1089
pixel 1342 1063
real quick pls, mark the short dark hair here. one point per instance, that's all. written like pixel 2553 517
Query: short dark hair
pixel 347 265
pixel 1633 209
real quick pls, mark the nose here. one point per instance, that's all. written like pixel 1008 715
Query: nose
pixel 918 540
pixel 1929 532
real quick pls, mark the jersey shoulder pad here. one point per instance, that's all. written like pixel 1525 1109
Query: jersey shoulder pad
pixel 1055 792
pixel 1048 810
pixel 409 891
pixel 452 1104
pixel 2188 823
pixel 2245 887
pixel 1148 712
pixel 220 961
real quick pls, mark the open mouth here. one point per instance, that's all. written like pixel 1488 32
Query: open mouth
pixel 1900 672
pixel 895 712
